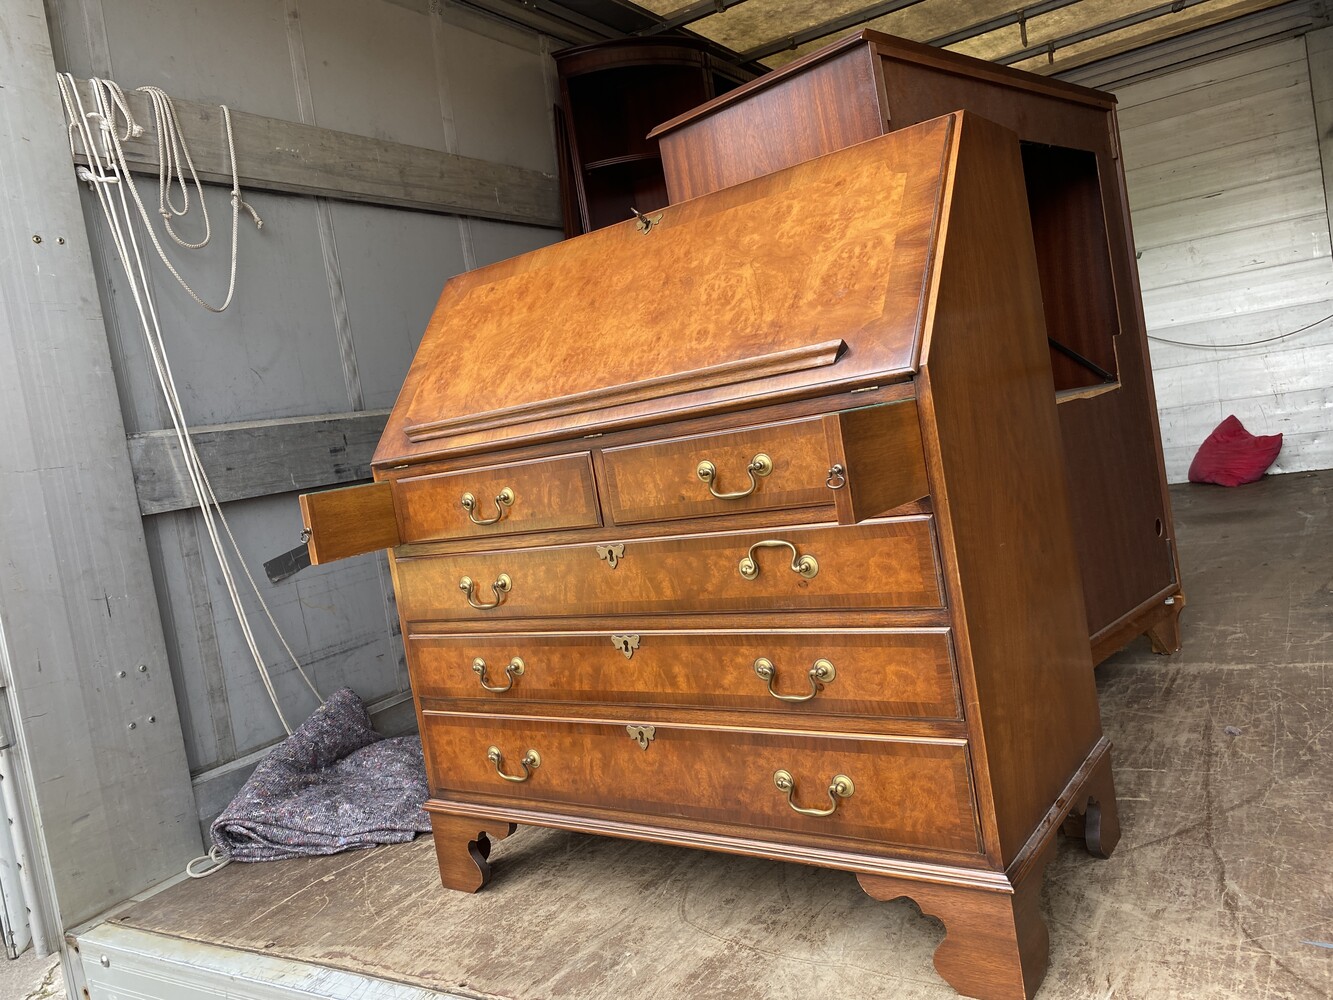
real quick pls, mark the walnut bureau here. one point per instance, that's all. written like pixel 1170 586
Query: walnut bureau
pixel 870 83
pixel 745 527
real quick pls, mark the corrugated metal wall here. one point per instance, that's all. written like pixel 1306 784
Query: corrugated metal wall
pixel 1222 160
pixel 332 298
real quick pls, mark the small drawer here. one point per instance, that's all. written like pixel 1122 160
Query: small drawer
pixel 903 792
pixel 879 564
pixel 884 673
pixel 775 467
pixel 502 500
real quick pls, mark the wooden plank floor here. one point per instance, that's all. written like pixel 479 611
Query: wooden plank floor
pixel 1222 886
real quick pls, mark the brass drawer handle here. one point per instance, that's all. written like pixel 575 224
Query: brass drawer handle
pixel 840 787
pixel 504 499
pixel 530 762
pixel 501 586
pixel 514 668
pixel 806 566
pixel 760 466
pixel 821 673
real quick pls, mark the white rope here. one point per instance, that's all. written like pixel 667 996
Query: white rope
pixel 215 856
pixel 108 170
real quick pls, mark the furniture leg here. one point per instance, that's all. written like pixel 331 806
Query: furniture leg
pixel 462 845
pixel 1094 817
pixel 1165 635
pixel 996 944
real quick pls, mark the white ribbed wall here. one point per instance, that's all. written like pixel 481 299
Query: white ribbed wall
pixel 1232 228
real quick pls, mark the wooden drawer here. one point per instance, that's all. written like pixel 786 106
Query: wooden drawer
pixel 913 793
pixel 865 462
pixel 660 481
pixel 881 672
pixel 550 494
pixel 883 564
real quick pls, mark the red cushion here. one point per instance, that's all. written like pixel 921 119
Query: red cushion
pixel 1232 456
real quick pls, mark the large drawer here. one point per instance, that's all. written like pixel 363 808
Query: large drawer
pixel 914 793
pixel 502 500
pixel 883 564
pixel 774 467
pixel 879 672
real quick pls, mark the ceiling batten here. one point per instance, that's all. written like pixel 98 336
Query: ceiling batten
pixel 827 28
pixel 1097 30
pixel 692 13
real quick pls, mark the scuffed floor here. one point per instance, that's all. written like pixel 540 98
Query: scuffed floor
pixel 1222 886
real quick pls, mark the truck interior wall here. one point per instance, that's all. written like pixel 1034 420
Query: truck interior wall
pixel 332 297
pixel 1228 163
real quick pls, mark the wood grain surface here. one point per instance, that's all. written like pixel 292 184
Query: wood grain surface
pixel 886 563
pixel 882 673
pixel 906 792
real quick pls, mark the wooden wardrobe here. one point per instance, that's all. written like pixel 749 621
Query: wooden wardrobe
pixel 746 527
pixel 868 84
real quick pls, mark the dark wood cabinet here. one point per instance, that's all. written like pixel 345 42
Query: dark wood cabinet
pixel 612 94
pixel 869 84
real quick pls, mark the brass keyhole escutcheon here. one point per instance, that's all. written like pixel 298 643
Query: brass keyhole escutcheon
pixel 760 466
pixel 503 501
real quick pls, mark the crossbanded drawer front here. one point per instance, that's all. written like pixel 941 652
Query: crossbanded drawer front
pixel 498 500
pixel 775 467
pixel 881 673
pixel 914 793
pixel 886 564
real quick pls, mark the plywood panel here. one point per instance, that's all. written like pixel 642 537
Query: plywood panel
pixel 1218 125
pixel 1209 73
pixel 1272 244
pixel 371 71
pixel 232 53
pixel 393 264
pixel 499 102
pixel 497 241
pixel 271 354
pixel 1267 158
pixel 1239 206
pixel 1260 80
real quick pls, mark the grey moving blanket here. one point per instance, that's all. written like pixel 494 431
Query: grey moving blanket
pixel 333 785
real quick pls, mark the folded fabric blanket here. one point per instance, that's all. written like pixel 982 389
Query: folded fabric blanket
pixel 333 785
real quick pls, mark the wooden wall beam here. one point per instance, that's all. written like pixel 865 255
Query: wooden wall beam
pixel 256 458
pixel 275 155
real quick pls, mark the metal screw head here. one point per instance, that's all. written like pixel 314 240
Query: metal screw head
pixel 60 240
pixel 105 961
pixel 152 719
pixel 143 668
pixel 133 725
pixel 120 673
pixel 36 238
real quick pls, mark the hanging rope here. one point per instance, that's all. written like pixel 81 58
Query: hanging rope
pixel 108 175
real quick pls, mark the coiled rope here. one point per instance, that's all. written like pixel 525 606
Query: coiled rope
pixel 108 171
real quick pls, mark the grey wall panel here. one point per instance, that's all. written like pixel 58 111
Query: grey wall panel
pixel 496 241
pixel 335 617
pixel 371 70
pixel 232 53
pixel 501 103
pixel 272 353
pixel 393 264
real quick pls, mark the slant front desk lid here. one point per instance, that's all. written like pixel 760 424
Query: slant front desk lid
pixel 794 284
